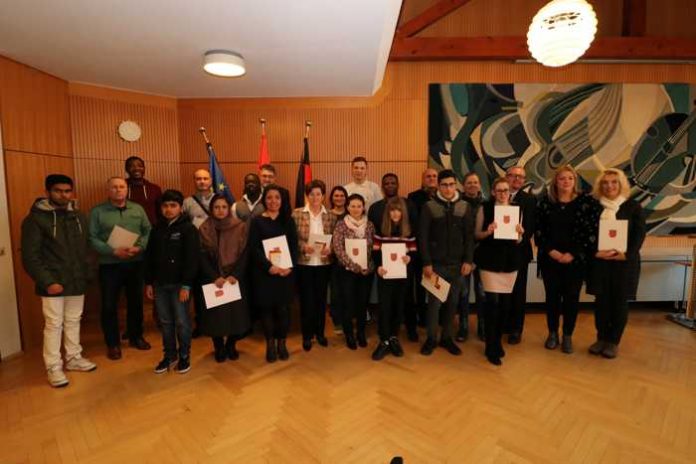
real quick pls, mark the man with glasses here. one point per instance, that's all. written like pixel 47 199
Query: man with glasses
pixel 446 242
pixel 527 202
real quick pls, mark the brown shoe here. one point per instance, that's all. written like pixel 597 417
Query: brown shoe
pixel 139 344
pixel 113 353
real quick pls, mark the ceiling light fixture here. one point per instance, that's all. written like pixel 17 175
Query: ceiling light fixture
pixel 561 32
pixel 224 63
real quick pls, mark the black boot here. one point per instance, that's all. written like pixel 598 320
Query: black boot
pixel 283 354
pixel 219 348
pixel 362 339
pixel 231 349
pixel 350 342
pixel 271 353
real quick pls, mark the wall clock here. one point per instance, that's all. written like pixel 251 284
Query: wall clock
pixel 129 131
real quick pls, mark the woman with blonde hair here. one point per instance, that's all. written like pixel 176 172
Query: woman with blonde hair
pixel 614 274
pixel 565 240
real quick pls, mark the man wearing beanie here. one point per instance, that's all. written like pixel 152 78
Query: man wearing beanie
pixel 54 250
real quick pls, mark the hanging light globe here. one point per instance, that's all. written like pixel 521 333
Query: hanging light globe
pixel 561 32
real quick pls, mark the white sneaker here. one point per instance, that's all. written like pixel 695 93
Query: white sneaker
pixel 56 377
pixel 80 364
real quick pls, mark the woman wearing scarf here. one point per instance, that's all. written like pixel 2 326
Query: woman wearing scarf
pixel 223 258
pixel 614 274
pixel 354 280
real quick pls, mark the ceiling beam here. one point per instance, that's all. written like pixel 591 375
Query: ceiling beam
pixel 514 48
pixel 428 17
pixel 634 18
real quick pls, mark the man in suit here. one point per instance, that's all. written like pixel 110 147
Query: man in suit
pixel 516 177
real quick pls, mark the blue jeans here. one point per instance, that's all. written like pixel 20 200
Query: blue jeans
pixel 173 313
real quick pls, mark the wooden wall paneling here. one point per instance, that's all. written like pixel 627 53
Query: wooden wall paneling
pixel 35 110
pixel 671 18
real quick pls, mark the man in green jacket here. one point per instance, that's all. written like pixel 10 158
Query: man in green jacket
pixel 54 250
pixel 120 265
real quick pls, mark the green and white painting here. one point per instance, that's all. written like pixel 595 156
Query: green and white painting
pixel 647 130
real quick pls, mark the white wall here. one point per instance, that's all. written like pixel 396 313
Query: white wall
pixel 10 342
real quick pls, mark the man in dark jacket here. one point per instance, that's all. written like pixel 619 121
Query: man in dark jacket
pixel 141 190
pixel 516 177
pixel 446 242
pixel 171 266
pixel 54 251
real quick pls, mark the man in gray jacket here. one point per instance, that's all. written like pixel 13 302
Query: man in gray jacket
pixel 446 242
pixel 54 254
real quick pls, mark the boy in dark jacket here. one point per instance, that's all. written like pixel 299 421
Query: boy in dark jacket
pixel 171 265
pixel 54 253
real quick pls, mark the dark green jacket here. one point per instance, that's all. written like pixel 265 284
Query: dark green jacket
pixel 54 247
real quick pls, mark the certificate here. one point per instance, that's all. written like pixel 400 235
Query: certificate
pixel 121 238
pixel 393 260
pixel 320 243
pixel 277 251
pixel 215 296
pixel 613 235
pixel 506 219
pixel 437 286
pixel 357 251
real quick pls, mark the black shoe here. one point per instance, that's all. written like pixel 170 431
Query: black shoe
pixel 306 344
pixel 350 342
pixel 220 355
pixel 450 346
pixel 183 366
pixel 196 333
pixel 412 335
pixel 494 360
pixel 113 352
pixel 139 344
pixel 362 340
pixel 501 351
pixel 514 338
pixel 322 341
pixel 551 342
pixel 395 347
pixel 381 351
pixel 428 347
pixel 462 335
pixel 567 344
pixel 231 350
pixel 164 366
pixel 271 352
pixel 283 354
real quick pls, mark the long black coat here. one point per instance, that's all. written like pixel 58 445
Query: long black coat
pixel 626 274
pixel 527 203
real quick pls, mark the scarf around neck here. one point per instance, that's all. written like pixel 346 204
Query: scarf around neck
pixel 358 227
pixel 611 207
pixel 218 237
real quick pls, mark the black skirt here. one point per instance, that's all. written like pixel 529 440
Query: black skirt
pixel 228 319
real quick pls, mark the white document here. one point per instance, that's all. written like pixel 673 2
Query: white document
pixel 613 235
pixel 278 252
pixel 357 251
pixel 437 286
pixel 215 296
pixel 393 260
pixel 319 242
pixel 197 221
pixel 506 219
pixel 121 238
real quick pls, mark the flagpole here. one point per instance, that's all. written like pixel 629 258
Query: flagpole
pixel 308 124
pixel 262 121
pixel 205 136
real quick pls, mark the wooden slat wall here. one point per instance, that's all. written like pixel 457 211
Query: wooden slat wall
pixel 35 117
pixel 390 129
pixel 99 151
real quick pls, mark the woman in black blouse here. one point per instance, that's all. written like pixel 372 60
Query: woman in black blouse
pixel 273 288
pixel 564 237
pixel 614 275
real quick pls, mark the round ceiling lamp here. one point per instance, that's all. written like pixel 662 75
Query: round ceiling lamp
pixel 224 63
pixel 561 32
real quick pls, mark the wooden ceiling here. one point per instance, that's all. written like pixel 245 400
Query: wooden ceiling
pixel 496 30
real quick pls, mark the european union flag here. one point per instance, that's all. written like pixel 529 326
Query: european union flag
pixel 219 183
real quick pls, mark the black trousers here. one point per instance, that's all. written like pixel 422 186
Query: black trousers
pixel 496 307
pixel 275 320
pixel 562 283
pixel 611 313
pixel 392 301
pixel 355 289
pixel 198 303
pixel 420 306
pixel 112 278
pixel 514 323
pixel 313 282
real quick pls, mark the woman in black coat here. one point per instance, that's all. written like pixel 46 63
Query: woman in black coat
pixel 224 258
pixel 614 274
pixel 273 288
pixel 565 238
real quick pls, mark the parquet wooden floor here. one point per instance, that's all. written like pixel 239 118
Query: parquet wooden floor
pixel 332 405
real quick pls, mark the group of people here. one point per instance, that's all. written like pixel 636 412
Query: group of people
pixel 448 236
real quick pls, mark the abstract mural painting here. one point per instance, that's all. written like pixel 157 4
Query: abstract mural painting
pixel 647 130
